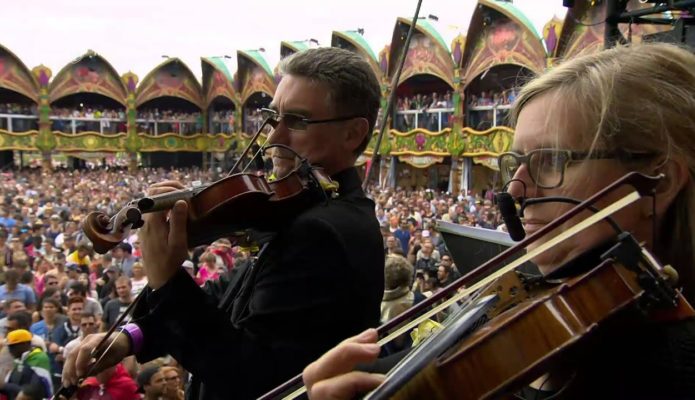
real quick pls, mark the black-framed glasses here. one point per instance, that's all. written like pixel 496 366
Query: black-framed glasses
pixel 546 167
pixel 297 122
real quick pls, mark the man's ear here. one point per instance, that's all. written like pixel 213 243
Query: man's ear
pixel 358 129
pixel 677 176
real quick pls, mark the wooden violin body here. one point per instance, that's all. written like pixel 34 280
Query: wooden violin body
pixel 225 208
pixel 524 342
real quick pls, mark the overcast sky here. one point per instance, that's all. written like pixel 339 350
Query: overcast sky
pixel 134 35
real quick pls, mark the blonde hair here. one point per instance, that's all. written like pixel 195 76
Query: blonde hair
pixel 639 98
pixel 398 272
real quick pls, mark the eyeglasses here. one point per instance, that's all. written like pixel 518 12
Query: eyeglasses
pixel 86 324
pixel 546 167
pixel 297 122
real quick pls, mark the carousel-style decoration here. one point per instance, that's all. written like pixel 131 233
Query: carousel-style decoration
pixel 500 34
pixel 254 75
pixel 15 76
pixel 428 53
pixel 499 38
pixel 353 41
pixel 45 142
pixel 171 78
pixel 133 144
pixel 419 142
pixel 89 73
pixel 287 48
pixel 551 37
pixel 582 30
pixel 458 45
pixel 218 82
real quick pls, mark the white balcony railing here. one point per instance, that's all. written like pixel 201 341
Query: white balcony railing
pixel 487 116
pixel 19 122
pixel 433 119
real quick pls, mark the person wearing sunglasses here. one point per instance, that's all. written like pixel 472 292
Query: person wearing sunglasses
pixel 321 277
pixel 578 128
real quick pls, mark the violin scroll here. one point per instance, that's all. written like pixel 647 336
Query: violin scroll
pixel 106 233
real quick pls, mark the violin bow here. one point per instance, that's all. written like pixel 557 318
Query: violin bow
pixel 69 391
pixel 382 127
pixel 643 186
pixel 392 96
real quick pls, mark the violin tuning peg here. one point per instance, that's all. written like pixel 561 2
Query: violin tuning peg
pixel 670 274
pixel 138 224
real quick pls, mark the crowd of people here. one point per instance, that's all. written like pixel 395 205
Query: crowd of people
pixel 427 111
pixel 17 117
pixel 324 268
pixel 156 121
pixel 18 109
pixel 58 288
pixel 493 98
pixel 88 119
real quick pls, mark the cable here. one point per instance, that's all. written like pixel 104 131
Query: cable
pixel 578 22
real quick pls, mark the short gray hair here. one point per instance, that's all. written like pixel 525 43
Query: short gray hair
pixel 352 84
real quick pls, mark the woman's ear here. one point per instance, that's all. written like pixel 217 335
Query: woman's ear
pixel 676 177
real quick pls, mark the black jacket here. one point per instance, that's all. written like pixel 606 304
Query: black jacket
pixel 319 280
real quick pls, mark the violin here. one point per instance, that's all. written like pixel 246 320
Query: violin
pixel 530 328
pixel 225 208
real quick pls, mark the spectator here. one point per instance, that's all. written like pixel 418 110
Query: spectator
pixel 115 307
pixel 113 383
pixel 151 383
pixel 139 279
pixel 123 258
pixel 12 289
pixel 91 305
pixel 89 324
pixel 31 369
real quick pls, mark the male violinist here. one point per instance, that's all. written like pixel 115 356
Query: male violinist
pixel 319 280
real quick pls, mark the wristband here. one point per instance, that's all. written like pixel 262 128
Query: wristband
pixel 135 337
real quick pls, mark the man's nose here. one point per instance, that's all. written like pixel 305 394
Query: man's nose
pixel 278 134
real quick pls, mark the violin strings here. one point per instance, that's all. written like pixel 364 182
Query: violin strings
pixel 572 231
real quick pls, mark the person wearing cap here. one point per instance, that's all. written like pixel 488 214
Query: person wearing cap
pixel 31 365
pixel 151 383
pixel 80 257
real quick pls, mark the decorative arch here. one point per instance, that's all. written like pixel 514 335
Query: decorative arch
pixel 458 45
pixel 217 81
pixel 500 34
pixel 287 48
pixel 15 76
pixel 90 73
pixel 384 60
pixel 583 29
pixel 354 42
pixel 551 35
pixel 579 33
pixel 171 78
pixel 428 53
pixel 254 75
